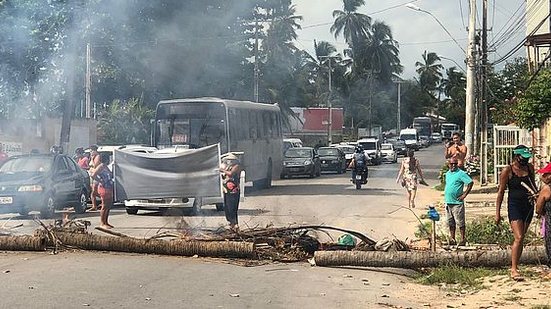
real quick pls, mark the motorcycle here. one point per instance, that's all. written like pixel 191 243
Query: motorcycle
pixel 361 177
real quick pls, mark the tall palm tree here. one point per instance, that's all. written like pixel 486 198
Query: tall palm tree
pixel 429 71
pixel 380 53
pixel 352 25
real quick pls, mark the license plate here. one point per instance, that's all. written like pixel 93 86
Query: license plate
pixel 324 164
pixel 358 177
pixel 295 169
pixel 6 200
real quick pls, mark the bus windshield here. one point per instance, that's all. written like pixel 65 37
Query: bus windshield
pixel 195 124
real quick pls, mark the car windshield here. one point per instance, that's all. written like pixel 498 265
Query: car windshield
pixel 386 147
pixel 408 136
pixel 368 145
pixel 298 153
pixel 27 164
pixel 347 150
pixel 328 152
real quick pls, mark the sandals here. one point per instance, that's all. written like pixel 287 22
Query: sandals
pixel 517 277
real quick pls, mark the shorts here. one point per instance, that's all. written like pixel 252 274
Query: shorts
pixel 105 194
pixel 456 215
pixel 520 210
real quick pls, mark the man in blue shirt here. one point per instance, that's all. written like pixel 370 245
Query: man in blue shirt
pixel 454 196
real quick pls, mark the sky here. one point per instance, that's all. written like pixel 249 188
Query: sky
pixel 417 31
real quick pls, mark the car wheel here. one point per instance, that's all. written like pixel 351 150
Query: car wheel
pixel 219 206
pixel 131 210
pixel 48 210
pixel 80 208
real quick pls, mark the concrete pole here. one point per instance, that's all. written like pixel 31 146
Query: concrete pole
pixel 256 77
pixel 398 112
pixel 88 82
pixel 471 76
pixel 484 102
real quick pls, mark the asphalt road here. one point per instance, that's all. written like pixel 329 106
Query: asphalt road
pixel 107 280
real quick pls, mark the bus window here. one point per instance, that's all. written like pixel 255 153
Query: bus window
pixel 253 129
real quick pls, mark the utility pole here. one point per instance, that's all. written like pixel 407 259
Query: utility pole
pixel 88 82
pixel 484 103
pixel 255 60
pixel 399 109
pixel 330 105
pixel 471 76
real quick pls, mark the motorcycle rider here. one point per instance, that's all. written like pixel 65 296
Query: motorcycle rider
pixel 359 161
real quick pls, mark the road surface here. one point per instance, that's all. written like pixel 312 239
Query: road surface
pixel 107 280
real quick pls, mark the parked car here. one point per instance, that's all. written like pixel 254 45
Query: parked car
pixel 291 143
pixel 42 182
pixel 301 161
pixel 332 159
pixel 424 140
pixel 436 137
pixel 388 153
pixel 348 152
pixel 399 146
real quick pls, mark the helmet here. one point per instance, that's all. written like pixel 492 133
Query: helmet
pixel 359 149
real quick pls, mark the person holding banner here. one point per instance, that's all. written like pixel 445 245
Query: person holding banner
pixel 231 171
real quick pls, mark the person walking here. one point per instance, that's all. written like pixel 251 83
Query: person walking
pixel 102 175
pixel 410 171
pixel 231 172
pixel 95 161
pixel 454 197
pixel 543 207
pixel 457 150
pixel 517 177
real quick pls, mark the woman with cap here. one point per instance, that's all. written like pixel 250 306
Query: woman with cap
pixel 231 171
pixel 518 178
pixel 543 206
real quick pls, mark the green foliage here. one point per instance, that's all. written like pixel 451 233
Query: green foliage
pixel 484 230
pixel 125 123
pixel 461 276
pixel 442 177
pixel 534 106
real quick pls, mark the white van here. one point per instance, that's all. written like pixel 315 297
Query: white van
pixel 372 149
pixel 411 138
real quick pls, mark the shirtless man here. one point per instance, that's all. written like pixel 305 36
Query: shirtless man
pixel 456 150
pixel 95 161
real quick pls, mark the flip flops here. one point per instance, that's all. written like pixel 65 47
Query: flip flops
pixel 517 277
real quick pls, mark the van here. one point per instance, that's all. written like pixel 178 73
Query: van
pixel 411 138
pixel 291 143
pixel 372 149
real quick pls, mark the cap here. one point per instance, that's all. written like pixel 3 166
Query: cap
pixel 93 147
pixel 523 152
pixel 546 169
pixel 229 156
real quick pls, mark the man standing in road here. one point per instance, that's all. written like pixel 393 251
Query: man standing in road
pixel 457 150
pixel 454 196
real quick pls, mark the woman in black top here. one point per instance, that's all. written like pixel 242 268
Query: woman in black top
pixel 517 177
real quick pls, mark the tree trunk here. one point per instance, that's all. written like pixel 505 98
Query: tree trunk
pixel 134 245
pixel 418 259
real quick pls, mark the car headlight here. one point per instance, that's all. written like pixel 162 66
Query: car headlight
pixel 30 188
pixel 307 162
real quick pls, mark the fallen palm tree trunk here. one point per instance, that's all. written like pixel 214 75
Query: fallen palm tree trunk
pixel 418 259
pixel 155 246
pixel 23 243
pixel 128 244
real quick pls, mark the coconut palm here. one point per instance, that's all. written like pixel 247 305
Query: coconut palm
pixel 429 71
pixel 352 25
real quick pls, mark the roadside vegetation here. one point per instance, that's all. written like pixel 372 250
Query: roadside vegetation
pixel 458 278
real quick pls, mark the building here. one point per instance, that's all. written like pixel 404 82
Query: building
pixel 538 32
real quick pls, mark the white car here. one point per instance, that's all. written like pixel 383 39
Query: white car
pixel 388 154
pixel 436 137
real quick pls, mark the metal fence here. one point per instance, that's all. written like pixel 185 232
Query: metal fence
pixel 505 139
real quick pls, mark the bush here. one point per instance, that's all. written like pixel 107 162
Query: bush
pixel 442 177
pixel 485 231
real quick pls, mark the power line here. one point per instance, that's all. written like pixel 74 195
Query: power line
pixel 462 17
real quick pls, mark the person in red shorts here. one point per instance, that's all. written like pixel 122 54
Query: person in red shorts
pixel 102 175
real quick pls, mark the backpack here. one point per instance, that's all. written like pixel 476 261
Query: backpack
pixel 105 179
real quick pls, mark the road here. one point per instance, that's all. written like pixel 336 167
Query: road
pixel 106 280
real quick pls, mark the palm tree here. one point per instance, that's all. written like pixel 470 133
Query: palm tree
pixel 352 25
pixel 429 72
pixel 380 53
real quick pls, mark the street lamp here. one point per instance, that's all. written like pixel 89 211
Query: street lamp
pixel 416 8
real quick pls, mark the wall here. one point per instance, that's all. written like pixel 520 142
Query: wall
pixel 23 135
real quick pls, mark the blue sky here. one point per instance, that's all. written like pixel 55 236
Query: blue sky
pixel 416 31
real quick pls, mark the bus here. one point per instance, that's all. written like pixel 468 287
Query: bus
pixel 423 125
pixel 448 129
pixel 253 129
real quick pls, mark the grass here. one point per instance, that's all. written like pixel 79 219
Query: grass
pixel 461 276
pixel 541 307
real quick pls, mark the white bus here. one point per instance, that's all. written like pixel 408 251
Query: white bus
pixel 448 129
pixel 239 126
